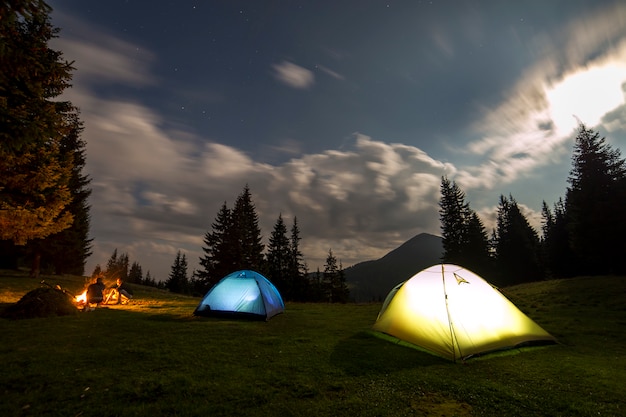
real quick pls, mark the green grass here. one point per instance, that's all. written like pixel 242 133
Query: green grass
pixel 153 357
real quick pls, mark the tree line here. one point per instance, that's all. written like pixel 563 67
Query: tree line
pixel 582 234
pixel 45 215
pixel 234 243
pixel 119 266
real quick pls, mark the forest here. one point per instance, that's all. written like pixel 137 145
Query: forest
pixel 45 212
pixel 582 233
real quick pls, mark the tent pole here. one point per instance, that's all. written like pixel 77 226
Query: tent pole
pixel 452 334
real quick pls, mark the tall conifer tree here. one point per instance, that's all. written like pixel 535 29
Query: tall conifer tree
pixel 248 245
pixel 516 245
pixel 465 240
pixel 68 250
pixel 278 259
pixel 297 266
pixel 178 280
pixel 135 275
pixel 453 213
pixel 334 280
pixel 34 175
pixel 559 260
pixel 219 256
pixel 595 202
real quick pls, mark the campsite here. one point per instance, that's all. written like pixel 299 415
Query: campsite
pixel 154 357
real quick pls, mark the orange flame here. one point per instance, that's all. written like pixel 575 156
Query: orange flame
pixel 82 298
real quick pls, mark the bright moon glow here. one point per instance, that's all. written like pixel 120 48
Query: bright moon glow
pixel 587 94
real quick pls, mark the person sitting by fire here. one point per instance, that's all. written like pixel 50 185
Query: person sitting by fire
pixel 118 291
pixel 95 292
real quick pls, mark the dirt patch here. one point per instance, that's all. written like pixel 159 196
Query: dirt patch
pixel 41 302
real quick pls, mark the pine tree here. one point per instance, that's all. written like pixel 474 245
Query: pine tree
pixel 453 213
pixel 559 260
pixel 248 248
pixel 595 202
pixel 34 175
pixel 234 242
pixel 112 265
pixel 68 250
pixel 219 256
pixel 476 256
pixel 335 289
pixel 278 260
pixel 148 280
pixel 197 284
pixel 516 245
pixel 297 267
pixel 178 282
pixel 97 271
pixel 465 240
pixel 135 275
pixel 117 267
pixel 123 265
pixel 317 291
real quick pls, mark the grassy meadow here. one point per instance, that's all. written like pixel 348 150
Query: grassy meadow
pixel 153 357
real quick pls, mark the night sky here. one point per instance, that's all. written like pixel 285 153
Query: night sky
pixel 343 113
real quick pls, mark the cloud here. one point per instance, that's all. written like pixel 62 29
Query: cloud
pixel 293 75
pixel 534 124
pixel 153 190
pixel 330 72
pixel 97 55
pixel 157 190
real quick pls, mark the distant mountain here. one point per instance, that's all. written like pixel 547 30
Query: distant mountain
pixel 372 280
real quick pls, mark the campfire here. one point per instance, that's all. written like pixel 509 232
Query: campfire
pixel 81 299
pixel 110 295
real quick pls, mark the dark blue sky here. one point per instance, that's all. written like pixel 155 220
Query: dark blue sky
pixel 344 114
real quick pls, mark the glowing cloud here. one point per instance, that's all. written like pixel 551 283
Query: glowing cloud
pixel 533 126
pixel 293 75
pixel 588 94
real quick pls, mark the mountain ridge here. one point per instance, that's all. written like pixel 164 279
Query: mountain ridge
pixel 372 280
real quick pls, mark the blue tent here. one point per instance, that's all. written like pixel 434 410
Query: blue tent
pixel 242 293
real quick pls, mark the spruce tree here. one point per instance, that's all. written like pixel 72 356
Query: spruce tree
pixel 516 245
pixel 148 280
pixel 234 243
pixel 34 174
pixel 112 264
pixel 219 254
pixel 558 258
pixel 453 213
pixel 335 289
pixel 278 259
pixel 465 240
pixel 135 275
pixel 117 267
pixel 68 250
pixel 476 256
pixel 297 267
pixel 595 202
pixel 247 237
pixel 178 282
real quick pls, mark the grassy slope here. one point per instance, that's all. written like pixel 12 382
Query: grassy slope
pixel 154 358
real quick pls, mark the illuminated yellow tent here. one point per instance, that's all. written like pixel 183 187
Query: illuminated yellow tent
pixel 454 313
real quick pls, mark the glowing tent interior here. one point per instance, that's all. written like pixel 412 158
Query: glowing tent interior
pixel 454 313
pixel 243 293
